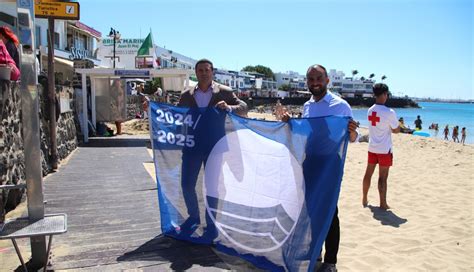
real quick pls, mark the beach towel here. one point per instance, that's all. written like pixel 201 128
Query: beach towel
pixel 263 191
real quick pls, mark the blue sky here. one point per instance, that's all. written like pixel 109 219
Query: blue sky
pixel 424 47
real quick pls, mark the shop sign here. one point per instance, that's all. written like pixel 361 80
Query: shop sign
pixel 78 54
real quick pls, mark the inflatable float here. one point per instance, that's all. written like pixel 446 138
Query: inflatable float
pixel 421 133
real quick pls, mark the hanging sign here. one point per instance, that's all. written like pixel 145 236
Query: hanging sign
pixel 57 10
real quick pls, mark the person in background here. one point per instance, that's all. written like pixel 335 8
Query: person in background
pixel 11 42
pixel 403 128
pixel 463 135
pixel 140 88
pixel 456 134
pixel 145 103
pixel 418 123
pixel 382 123
pixel 279 110
pixel 118 103
pixel 401 123
pixel 446 132
pixel 325 103
pixel 118 126
pixel 159 92
pixel 7 61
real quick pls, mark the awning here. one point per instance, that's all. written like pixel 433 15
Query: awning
pixel 89 29
pixel 85 31
pixel 64 61
pixel 136 80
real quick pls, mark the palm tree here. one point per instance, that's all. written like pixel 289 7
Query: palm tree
pixel 371 75
pixel 383 77
pixel 354 72
pixel 362 78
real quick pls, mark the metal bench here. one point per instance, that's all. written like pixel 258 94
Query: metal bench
pixel 23 227
pixel 50 225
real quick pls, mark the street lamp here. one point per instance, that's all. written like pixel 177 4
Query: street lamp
pixel 115 35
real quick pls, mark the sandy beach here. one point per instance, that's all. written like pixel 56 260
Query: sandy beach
pixel 430 224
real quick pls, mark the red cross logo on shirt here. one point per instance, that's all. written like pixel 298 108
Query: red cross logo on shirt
pixel 374 118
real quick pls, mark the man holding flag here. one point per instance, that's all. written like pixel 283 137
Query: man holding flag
pixel 324 103
pixel 205 94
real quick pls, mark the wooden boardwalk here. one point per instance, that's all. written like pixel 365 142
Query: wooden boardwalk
pixel 113 215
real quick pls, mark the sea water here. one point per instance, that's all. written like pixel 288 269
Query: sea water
pixel 452 114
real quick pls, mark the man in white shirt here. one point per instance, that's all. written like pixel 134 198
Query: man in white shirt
pixel 382 122
pixel 324 103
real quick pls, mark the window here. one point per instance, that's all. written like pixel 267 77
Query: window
pixel 69 42
pixel 80 41
pixel 86 44
pixel 56 40
pixel 38 36
pixel 349 86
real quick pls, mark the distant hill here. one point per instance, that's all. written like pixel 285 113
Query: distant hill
pixel 441 100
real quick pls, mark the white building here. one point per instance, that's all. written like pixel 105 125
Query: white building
pixel 348 86
pixel 170 59
pixel 228 78
pixel 237 80
pixel 126 49
pixel 246 82
pixel 293 79
pixel 74 46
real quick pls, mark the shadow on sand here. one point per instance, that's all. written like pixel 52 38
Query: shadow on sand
pixel 387 217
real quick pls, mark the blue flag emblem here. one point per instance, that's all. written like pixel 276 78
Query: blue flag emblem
pixel 265 191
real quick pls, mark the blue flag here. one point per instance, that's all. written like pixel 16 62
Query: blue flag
pixel 264 191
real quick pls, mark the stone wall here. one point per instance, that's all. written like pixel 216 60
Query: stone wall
pixel 12 165
pixel 66 128
pixel 12 160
